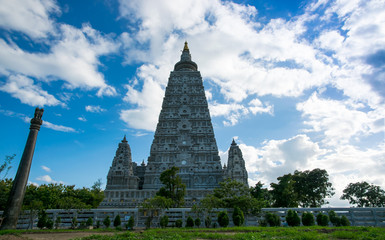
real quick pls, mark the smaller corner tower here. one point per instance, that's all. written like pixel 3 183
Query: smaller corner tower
pixel 236 169
pixel 121 175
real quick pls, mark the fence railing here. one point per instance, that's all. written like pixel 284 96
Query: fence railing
pixel 356 216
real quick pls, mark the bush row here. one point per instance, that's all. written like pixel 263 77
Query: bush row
pixel 307 218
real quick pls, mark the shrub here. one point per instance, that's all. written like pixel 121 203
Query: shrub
pixel 345 221
pixel 322 219
pixel 82 225
pixel 238 217
pixel 308 219
pixel 130 224
pixel 49 224
pixel 107 222
pixel 57 222
pixel 223 219
pixel 42 219
pixel 190 222
pixel 262 222
pixel 89 222
pixel 98 224
pixel 273 219
pixel 334 219
pixel 74 223
pixel 292 218
pixel 117 221
pixel 208 221
pixel 197 222
pixel 178 223
pixel 164 221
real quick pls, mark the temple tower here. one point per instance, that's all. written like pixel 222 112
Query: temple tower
pixel 184 136
pixel 120 175
pixel 236 169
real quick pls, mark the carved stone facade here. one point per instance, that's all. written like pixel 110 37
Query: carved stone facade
pixel 236 169
pixel 121 174
pixel 184 138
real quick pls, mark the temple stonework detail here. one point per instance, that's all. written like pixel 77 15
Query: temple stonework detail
pixel 184 138
pixel 236 169
pixel 121 175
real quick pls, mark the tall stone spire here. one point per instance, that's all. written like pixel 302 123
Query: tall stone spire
pixel 16 196
pixel 236 169
pixel 185 63
pixel 120 175
pixel 184 136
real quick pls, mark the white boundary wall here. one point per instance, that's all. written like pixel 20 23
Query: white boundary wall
pixel 356 216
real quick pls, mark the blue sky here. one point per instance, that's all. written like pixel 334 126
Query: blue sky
pixel 299 84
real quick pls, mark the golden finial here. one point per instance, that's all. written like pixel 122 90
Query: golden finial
pixel 185 46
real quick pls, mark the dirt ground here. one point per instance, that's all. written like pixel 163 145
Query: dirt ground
pixel 49 236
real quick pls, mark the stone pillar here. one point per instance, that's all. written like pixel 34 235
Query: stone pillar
pixel 16 196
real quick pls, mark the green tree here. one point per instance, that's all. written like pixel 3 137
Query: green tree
pixel 179 223
pixel 174 189
pixel 6 166
pixel 273 219
pixel 345 221
pixel 42 221
pixel 131 223
pixel 238 217
pixel 107 222
pixel 152 205
pixel 197 222
pixel 117 221
pixel 292 218
pixel 364 194
pixel 189 222
pixel 312 187
pixel 283 192
pixel 263 195
pixel 89 222
pixel 223 219
pixel 5 189
pixel 305 189
pixel 322 219
pixel 163 221
pixel 308 219
pixel 231 194
pixel 334 219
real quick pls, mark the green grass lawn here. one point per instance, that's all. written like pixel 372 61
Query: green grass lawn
pixel 252 233
pixel 236 233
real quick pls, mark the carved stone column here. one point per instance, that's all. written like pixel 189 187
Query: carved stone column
pixel 16 196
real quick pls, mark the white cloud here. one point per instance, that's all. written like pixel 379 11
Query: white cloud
pixel 59 128
pixel 83 119
pixel 45 178
pixel 30 17
pixel 45 168
pixel 234 111
pixel 48 179
pixel 94 109
pixel 145 116
pixel 24 89
pixel 73 57
pixel 339 121
pixel 33 183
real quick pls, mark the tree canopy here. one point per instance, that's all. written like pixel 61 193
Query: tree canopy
pixel 55 196
pixel 231 194
pixel 305 189
pixel 364 194
pixel 173 188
